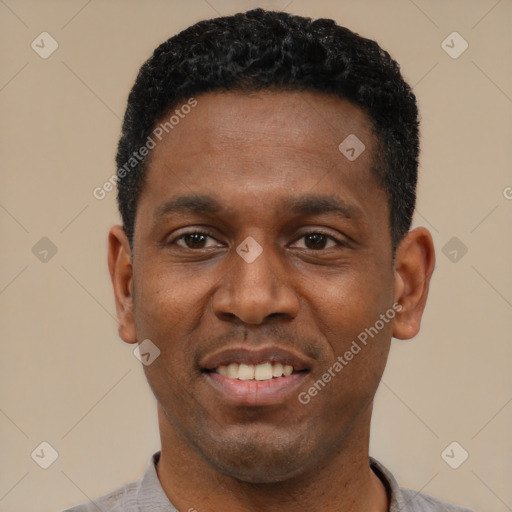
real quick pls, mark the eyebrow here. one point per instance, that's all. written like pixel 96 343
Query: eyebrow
pixel 304 205
pixel 181 205
pixel 317 205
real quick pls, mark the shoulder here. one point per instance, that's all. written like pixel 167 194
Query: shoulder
pixel 418 502
pixel 123 499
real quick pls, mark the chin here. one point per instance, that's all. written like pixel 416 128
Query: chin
pixel 258 462
pixel 262 474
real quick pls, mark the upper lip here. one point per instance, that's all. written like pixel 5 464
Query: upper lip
pixel 244 355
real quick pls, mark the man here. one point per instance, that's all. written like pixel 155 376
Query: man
pixel 266 182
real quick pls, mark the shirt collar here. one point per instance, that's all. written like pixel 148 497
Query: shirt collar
pixel 396 499
pixel 151 496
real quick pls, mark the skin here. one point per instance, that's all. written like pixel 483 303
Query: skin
pixel 193 296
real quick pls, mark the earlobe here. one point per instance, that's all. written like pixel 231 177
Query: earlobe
pixel 414 264
pixel 121 274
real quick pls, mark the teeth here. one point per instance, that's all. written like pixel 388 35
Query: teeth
pixel 246 372
pixel 233 371
pixel 264 371
pixel 287 370
pixel 277 370
pixel 223 370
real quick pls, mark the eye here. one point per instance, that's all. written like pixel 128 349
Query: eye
pixel 316 240
pixel 193 240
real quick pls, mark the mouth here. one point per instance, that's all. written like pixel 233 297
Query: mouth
pixel 259 372
pixel 247 378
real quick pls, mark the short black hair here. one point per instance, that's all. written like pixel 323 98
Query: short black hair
pixel 258 50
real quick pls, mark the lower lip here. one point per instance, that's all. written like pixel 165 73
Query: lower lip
pixel 254 392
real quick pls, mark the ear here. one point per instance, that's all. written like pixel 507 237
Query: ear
pixel 121 273
pixel 414 264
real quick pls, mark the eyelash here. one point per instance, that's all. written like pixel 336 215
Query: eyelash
pixel 207 233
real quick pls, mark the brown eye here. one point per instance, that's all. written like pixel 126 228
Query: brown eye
pixel 193 240
pixel 317 241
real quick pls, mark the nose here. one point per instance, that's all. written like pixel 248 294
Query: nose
pixel 251 291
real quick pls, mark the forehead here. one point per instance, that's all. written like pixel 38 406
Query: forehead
pixel 311 120
pixel 264 146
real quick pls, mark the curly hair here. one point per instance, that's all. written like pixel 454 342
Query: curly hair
pixel 258 50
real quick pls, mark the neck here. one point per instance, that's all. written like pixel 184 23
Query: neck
pixel 344 481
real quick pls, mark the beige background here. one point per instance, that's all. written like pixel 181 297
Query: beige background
pixel 67 379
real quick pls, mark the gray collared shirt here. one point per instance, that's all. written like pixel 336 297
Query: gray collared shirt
pixel 147 494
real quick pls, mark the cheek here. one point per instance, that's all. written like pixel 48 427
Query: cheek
pixel 166 311
pixel 355 316
pixel 351 302
pixel 166 301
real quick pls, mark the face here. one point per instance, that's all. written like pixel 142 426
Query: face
pixel 260 249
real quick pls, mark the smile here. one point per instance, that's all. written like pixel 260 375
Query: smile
pixel 244 377
pixel 260 372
